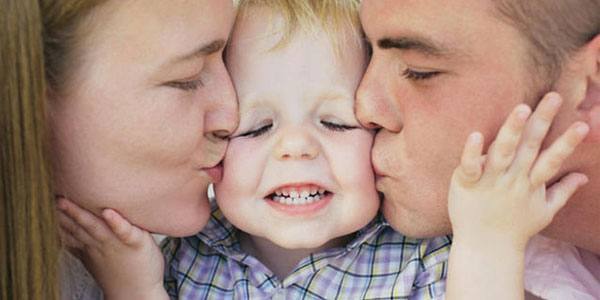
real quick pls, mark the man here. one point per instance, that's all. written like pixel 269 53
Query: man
pixel 441 70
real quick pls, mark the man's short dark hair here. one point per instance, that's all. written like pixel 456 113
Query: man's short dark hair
pixel 554 29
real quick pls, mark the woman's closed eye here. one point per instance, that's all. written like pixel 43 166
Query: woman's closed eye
pixel 336 127
pixel 414 75
pixel 186 85
pixel 257 132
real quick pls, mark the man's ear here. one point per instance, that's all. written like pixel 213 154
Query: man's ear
pixel 589 108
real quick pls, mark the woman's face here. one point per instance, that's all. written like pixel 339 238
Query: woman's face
pixel 137 128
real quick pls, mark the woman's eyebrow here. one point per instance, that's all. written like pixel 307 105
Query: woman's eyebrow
pixel 202 50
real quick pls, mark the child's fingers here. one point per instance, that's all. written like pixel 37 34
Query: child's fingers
pixel 74 232
pixel 535 133
pixel 68 240
pixel 503 149
pixel 552 158
pixel 93 225
pixel 125 231
pixel 471 164
pixel 558 194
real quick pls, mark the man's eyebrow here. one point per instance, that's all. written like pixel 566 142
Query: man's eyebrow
pixel 203 50
pixel 423 45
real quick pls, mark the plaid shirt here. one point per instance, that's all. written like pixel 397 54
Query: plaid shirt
pixel 378 264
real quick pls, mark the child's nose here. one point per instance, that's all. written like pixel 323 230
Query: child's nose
pixel 296 144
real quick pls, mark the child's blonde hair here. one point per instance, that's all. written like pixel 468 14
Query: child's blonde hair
pixel 338 18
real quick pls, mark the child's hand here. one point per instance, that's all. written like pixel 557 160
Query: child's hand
pixel 503 197
pixel 123 258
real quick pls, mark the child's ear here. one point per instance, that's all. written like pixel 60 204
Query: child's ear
pixel 589 108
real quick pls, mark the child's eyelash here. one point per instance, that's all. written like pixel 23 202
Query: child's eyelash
pixel 414 75
pixel 258 132
pixel 337 127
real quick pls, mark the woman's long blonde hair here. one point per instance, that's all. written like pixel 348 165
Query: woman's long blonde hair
pixel 36 39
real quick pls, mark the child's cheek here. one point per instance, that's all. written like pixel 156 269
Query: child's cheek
pixel 355 161
pixel 232 163
pixel 243 158
pixel 239 150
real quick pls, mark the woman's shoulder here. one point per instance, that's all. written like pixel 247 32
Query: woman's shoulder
pixel 76 283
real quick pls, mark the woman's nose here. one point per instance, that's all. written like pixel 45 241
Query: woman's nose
pixel 222 116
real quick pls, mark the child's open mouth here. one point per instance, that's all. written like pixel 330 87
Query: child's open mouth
pixel 299 195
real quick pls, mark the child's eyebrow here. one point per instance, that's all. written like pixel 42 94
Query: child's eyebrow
pixel 256 100
pixel 336 95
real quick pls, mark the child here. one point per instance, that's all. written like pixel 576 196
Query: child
pixel 297 180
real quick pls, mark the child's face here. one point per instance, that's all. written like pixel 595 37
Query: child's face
pixel 298 169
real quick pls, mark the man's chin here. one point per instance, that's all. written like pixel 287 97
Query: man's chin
pixel 414 225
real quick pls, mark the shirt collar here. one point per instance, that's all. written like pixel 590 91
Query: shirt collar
pixel 221 235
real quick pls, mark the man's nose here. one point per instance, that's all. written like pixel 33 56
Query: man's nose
pixel 375 107
pixel 296 144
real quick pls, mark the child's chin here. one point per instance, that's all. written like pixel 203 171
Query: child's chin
pixel 309 240
pixel 300 244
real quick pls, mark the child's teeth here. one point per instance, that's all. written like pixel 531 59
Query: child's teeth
pixel 299 196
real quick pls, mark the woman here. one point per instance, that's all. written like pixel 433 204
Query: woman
pixel 138 103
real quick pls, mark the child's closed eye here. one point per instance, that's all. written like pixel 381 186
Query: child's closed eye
pixel 257 132
pixel 336 127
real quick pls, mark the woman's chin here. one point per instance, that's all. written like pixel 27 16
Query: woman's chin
pixel 179 222
pixel 183 228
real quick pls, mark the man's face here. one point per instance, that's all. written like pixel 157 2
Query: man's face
pixel 439 71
